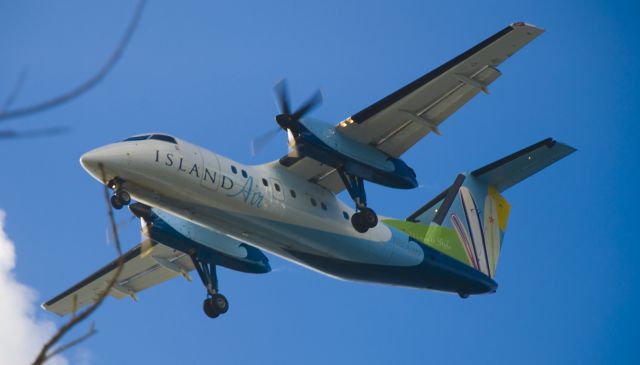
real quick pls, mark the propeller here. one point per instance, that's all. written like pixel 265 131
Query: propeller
pixel 120 226
pixel 286 120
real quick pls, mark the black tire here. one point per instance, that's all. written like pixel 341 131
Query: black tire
pixel 210 309
pixel 463 295
pixel 220 302
pixel 115 202
pixel 123 196
pixel 358 223
pixel 369 217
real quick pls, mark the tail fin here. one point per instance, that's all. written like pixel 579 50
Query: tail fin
pixel 468 220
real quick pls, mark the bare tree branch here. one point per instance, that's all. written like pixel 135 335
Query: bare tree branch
pixel 85 86
pixel 44 354
pixel 15 91
pixel 13 134
pixel 92 331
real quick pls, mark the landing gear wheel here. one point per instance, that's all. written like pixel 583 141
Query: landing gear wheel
pixel 123 196
pixel 115 202
pixel 358 222
pixel 463 295
pixel 369 217
pixel 220 302
pixel 210 309
pixel 215 306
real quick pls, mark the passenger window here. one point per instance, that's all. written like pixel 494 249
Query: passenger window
pixel 323 206
pixel 345 215
pixel 233 169
pixel 277 187
pixel 313 202
pixel 293 193
pixel 244 174
pixel 264 182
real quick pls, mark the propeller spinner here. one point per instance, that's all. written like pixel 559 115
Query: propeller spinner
pixel 286 120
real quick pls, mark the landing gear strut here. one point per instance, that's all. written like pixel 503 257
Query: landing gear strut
pixel 215 303
pixel 120 197
pixel 364 217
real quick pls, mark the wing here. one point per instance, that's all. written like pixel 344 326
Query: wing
pixel 138 273
pixel 312 170
pixel 398 121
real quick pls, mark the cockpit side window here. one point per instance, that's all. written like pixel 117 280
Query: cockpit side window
pixel 164 137
pixel 137 138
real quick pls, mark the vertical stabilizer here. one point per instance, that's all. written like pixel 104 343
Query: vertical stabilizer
pixel 468 220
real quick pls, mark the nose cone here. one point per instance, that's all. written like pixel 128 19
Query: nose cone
pixel 103 162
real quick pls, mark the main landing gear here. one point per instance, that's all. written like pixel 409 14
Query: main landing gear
pixel 120 197
pixel 215 303
pixel 364 217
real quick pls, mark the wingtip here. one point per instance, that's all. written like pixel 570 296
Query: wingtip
pixel 570 149
pixel 516 25
pixel 44 307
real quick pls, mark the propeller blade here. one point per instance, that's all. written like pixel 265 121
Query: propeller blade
pixel 146 247
pixel 314 101
pixel 282 96
pixel 258 143
pixel 120 226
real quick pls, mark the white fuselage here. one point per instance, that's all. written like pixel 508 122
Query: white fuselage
pixel 263 205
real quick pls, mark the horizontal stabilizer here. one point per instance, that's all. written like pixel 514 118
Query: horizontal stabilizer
pixel 512 169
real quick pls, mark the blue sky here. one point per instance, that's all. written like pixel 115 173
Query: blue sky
pixel 203 71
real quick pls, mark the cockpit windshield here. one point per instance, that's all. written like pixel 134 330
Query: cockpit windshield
pixel 164 137
pixel 137 138
pixel 158 137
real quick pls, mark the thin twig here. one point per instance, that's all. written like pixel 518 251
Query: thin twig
pixel 15 91
pixel 92 331
pixel 13 134
pixel 85 86
pixel 43 356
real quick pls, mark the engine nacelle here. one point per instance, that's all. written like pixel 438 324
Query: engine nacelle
pixel 190 238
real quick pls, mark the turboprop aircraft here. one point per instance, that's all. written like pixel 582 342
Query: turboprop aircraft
pixel 200 210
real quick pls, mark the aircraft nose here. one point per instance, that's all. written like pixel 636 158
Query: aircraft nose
pixel 107 157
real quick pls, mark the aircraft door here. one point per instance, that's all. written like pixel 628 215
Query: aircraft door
pixel 210 178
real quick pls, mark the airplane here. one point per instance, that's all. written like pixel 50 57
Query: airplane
pixel 200 210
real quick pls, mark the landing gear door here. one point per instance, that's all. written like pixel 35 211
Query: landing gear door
pixel 277 191
pixel 210 178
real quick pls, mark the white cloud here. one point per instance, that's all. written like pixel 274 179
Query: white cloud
pixel 21 333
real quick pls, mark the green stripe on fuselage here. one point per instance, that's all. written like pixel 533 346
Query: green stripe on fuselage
pixel 440 238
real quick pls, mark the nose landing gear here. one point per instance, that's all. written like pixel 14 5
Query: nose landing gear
pixel 120 197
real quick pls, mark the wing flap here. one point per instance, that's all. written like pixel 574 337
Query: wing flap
pixel 138 273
